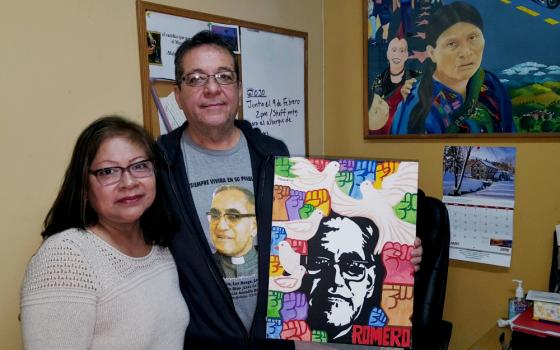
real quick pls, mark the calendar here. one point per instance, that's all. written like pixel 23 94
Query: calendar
pixel 478 187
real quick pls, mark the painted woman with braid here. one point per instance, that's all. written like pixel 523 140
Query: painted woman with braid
pixel 455 95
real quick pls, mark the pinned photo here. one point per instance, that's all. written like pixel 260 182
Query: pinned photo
pixel 230 34
pixel 154 47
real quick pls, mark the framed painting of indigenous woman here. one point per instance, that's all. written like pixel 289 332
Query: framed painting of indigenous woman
pixel 461 68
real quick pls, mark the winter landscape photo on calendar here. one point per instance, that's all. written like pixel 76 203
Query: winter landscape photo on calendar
pixel 484 172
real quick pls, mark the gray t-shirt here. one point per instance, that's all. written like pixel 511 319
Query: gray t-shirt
pixel 210 172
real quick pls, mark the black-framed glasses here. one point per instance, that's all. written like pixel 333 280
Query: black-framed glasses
pixel 112 175
pixel 232 218
pixel 350 269
pixel 198 79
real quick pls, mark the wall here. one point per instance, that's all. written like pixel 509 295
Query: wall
pixel 65 63
pixel 476 294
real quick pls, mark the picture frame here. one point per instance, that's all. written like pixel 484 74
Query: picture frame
pixel 514 92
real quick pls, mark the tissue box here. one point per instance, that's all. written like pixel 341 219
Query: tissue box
pixel 546 311
pixel 546 306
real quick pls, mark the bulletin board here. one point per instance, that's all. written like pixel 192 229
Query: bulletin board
pixel 272 63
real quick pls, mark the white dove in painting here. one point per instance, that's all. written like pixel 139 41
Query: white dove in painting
pixel 287 284
pixel 308 177
pixel 302 229
pixel 377 205
pixel 289 259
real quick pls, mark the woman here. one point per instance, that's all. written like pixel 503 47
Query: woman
pixel 103 277
pixel 455 95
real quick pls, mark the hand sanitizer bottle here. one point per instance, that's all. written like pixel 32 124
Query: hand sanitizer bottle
pixel 517 304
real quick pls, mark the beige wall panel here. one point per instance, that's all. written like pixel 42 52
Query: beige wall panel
pixel 65 63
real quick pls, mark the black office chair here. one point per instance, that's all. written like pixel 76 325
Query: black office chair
pixel 429 330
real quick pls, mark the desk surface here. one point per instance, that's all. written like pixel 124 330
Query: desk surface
pixel 491 339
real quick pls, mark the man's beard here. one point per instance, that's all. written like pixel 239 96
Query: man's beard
pixel 340 312
pixel 331 312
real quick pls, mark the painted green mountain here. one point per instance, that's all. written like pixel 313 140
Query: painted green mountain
pixel 554 85
pixel 545 94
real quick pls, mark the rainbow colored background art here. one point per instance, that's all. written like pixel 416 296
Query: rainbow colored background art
pixel 342 235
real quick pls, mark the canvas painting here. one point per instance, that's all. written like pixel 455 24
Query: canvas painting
pixel 342 235
pixel 469 67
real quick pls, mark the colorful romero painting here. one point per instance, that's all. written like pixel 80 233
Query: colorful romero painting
pixel 341 242
pixel 462 67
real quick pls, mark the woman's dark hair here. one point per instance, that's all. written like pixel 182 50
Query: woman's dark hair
pixel 445 17
pixel 71 207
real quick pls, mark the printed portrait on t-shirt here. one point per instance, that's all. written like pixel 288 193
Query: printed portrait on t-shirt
pixel 233 227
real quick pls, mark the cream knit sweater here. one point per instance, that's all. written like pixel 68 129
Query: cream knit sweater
pixel 81 293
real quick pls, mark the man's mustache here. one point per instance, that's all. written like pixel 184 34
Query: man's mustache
pixel 330 298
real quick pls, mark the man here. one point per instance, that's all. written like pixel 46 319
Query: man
pixel 233 227
pixel 394 83
pixel 211 149
pixel 344 280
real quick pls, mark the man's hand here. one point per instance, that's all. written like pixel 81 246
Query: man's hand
pixel 407 86
pixel 319 199
pixel 282 166
pixel 281 195
pixel 397 260
pixel 320 164
pixel 345 180
pixel 416 255
pixel 294 307
pixel 294 204
pixel 296 330
pixel 347 165
pixel 365 170
pixel 397 301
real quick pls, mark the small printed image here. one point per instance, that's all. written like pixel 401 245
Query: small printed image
pixel 501 242
pixel 230 34
pixel 154 47
pixel 487 172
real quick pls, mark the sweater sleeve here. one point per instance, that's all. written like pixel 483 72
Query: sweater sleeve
pixel 58 298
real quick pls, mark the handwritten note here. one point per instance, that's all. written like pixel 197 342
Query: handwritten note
pixel 274 86
pixel 267 111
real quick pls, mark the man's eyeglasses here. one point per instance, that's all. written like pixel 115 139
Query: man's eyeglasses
pixel 112 175
pixel 351 270
pixel 215 215
pixel 197 79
